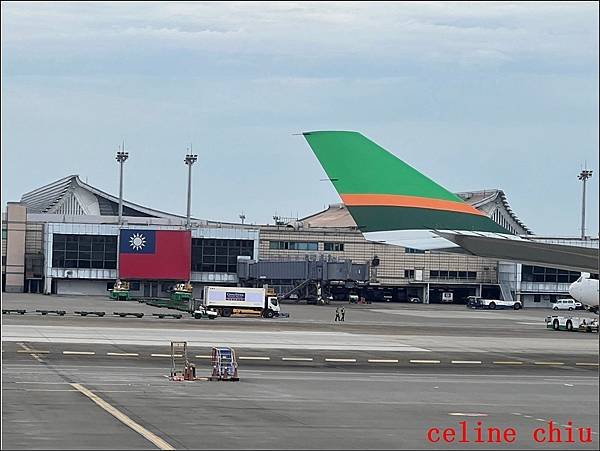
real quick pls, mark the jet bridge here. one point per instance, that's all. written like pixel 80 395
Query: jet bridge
pixel 306 277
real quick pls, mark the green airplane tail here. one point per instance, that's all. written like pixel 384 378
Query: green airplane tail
pixel 384 193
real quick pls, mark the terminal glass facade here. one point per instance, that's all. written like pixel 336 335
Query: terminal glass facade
pixel 215 255
pixel 84 251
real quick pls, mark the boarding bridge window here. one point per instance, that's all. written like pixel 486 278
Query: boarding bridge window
pixel 84 251
pixel 334 247
pixel 294 245
pixel 216 255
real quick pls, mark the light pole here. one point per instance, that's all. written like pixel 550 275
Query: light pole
pixel 190 159
pixel 584 175
pixel 121 158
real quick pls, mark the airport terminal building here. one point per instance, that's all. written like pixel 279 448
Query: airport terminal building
pixel 63 238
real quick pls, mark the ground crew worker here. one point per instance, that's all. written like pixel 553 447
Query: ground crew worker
pixel 343 313
pixel 337 314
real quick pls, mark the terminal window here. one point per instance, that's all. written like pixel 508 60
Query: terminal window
pixel 215 255
pixel 294 245
pixel 410 250
pixel 84 251
pixel 445 275
pixel 336 247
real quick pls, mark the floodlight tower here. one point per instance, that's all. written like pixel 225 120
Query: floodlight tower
pixel 122 156
pixel 584 175
pixel 190 159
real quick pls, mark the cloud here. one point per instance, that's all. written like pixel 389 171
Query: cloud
pixel 466 33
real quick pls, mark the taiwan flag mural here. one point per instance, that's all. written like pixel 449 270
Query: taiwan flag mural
pixel 155 254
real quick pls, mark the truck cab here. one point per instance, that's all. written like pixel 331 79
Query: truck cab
pixel 272 307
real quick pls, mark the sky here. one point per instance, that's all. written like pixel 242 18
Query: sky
pixel 476 96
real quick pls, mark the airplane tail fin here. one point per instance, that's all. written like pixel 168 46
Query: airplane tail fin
pixel 384 193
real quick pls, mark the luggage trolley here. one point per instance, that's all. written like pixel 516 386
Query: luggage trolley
pixel 224 365
pixel 179 358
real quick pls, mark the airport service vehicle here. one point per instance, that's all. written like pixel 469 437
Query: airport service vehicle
pixel 572 323
pixel 415 300
pixel 229 300
pixel 182 292
pixel 202 312
pixel 447 297
pixel 120 291
pixel 566 304
pixel 492 304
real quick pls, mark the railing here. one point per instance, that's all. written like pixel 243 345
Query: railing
pixel 547 287
pixel 478 280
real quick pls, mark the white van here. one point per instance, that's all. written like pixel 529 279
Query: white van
pixel 565 304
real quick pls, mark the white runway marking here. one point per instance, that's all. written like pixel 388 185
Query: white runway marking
pixel 134 336
pixel 153 438
pixel 461 414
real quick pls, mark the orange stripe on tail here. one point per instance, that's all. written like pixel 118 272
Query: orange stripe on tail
pixel 396 200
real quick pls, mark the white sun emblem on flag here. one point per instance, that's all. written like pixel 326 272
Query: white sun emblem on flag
pixel 137 241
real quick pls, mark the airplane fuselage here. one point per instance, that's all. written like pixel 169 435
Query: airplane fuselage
pixel 585 290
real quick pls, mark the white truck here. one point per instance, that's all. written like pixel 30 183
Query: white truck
pixel 492 304
pixel 572 323
pixel 226 301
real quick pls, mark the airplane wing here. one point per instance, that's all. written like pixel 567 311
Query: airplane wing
pixel 573 258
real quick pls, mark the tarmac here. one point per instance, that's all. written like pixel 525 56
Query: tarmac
pixel 381 380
